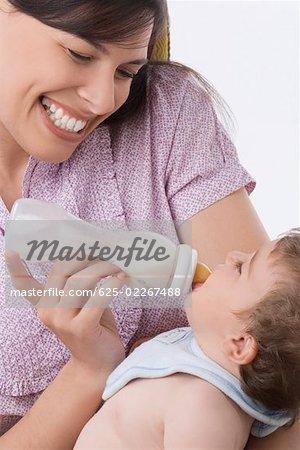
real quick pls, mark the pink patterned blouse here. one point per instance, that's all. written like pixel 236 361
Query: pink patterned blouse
pixel 161 167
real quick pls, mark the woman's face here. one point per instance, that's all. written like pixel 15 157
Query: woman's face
pixel 51 97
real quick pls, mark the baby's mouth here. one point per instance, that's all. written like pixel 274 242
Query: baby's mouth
pixel 61 119
pixel 196 286
pixel 201 274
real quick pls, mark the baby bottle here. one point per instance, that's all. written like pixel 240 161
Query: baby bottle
pixel 41 232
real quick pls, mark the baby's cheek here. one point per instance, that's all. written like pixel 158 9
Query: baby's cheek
pixel 188 301
pixel 191 305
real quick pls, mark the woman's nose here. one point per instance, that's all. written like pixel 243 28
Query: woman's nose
pixel 99 94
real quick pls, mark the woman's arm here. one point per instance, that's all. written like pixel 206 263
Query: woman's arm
pixel 58 416
pixel 233 224
pixel 86 326
pixel 229 224
pixel 283 439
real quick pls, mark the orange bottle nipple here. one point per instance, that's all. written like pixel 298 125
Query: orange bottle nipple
pixel 202 273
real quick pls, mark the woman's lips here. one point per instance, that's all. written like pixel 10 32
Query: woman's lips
pixel 63 134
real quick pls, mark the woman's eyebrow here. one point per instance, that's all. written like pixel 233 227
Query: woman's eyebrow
pixel 138 62
pixel 104 50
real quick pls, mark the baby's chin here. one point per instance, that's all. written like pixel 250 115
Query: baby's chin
pixel 188 309
pixel 195 289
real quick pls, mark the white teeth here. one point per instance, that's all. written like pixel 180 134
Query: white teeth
pixel 59 113
pixel 46 102
pixel 71 123
pixel 65 120
pixel 79 125
pixel 53 108
pixel 62 120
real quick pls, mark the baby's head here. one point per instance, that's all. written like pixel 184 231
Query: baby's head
pixel 246 317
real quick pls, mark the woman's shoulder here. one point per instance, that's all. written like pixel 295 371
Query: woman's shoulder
pixel 177 97
pixel 176 79
pixel 174 90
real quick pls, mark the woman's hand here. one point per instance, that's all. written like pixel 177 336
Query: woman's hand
pixel 84 322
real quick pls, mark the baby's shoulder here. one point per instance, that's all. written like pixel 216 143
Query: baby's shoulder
pixel 206 415
pixel 195 390
pixel 203 399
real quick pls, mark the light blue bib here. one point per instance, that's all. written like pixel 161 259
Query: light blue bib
pixel 177 351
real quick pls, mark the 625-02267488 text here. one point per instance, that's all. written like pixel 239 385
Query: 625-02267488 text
pixel 99 291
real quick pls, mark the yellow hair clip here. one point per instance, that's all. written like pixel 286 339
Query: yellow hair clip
pixel 161 50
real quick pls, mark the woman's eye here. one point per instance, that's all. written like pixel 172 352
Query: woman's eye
pixel 126 74
pixel 79 56
pixel 238 266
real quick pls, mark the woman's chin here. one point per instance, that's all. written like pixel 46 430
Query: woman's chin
pixel 52 156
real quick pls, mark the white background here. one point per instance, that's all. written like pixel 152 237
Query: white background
pixel 249 50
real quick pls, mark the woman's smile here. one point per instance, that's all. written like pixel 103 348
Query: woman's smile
pixel 63 133
pixel 60 124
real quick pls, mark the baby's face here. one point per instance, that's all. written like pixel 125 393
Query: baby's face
pixel 236 285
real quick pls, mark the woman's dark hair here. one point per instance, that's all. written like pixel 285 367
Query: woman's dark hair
pixel 114 21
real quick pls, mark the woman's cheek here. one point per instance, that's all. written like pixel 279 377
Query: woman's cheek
pixel 121 93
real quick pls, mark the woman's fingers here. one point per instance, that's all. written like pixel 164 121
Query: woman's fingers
pixel 82 285
pixel 66 269
pixel 91 319
pixel 105 294
pixel 70 283
pixel 75 292
pixel 95 309
pixel 20 278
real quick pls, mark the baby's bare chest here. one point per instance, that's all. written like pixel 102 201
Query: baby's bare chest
pixel 133 418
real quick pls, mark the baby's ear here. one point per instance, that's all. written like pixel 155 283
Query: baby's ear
pixel 240 349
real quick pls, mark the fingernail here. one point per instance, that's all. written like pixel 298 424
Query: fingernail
pixel 122 275
pixel 10 254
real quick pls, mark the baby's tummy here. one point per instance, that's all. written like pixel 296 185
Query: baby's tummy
pixel 130 420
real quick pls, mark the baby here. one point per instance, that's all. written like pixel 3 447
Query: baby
pixel 236 370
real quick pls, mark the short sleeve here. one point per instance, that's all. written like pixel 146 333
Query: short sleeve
pixel 203 165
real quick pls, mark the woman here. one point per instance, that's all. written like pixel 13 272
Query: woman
pixel 87 123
